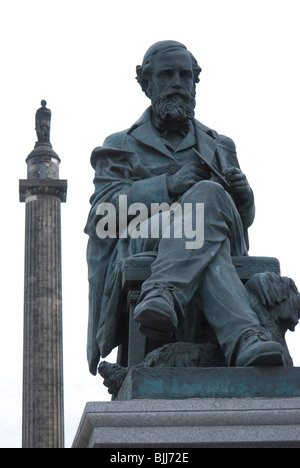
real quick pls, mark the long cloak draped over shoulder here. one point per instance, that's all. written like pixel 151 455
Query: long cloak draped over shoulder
pixel 134 163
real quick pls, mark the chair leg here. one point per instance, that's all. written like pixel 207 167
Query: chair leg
pixel 136 340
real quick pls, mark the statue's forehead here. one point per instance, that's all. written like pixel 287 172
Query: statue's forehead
pixel 173 57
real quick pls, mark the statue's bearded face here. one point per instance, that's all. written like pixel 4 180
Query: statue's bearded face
pixel 172 88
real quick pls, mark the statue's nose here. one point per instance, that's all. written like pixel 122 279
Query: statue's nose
pixel 176 84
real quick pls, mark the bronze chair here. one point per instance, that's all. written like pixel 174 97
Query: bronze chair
pixel 136 269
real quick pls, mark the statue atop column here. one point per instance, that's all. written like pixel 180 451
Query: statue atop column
pixel 42 123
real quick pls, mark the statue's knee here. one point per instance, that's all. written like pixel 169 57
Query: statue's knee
pixel 210 185
pixel 205 189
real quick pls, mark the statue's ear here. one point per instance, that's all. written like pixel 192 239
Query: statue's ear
pixel 140 76
pixel 139 72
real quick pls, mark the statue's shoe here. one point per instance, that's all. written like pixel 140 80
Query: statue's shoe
pixel 156 315
pixel 256 349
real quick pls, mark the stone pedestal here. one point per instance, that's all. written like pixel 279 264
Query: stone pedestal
pixel 191 423
pixel 197 407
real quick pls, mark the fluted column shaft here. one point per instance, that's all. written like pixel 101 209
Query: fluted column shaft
pixel 43 421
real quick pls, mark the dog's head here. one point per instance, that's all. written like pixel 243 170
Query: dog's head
pixel 279 296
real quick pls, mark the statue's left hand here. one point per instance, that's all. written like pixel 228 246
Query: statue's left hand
pixel 239 186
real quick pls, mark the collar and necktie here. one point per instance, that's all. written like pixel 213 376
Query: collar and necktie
pixel 172 133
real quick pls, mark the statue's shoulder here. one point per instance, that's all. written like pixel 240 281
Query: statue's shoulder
pixel 227 143
pixel 222 140
pixel 116 140
pixel 114 147
pixel 119 141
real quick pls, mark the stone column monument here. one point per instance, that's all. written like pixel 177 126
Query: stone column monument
pixel 43 192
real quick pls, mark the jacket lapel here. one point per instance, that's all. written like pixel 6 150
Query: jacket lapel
pixel 207 145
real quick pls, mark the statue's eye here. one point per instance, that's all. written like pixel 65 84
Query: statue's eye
pixel 166 73
pixel 186 74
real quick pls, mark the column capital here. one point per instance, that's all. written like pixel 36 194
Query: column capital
pixel 51 188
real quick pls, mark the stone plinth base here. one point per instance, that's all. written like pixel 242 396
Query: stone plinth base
pixel 199 423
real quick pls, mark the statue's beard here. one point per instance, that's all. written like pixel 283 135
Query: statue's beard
pixel 173 107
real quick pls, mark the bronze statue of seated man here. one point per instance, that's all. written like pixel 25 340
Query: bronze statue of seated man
pixel 152 163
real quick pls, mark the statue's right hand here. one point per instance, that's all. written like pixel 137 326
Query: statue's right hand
pixel 187 176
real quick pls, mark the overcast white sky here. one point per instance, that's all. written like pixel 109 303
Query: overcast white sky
pixel 80 56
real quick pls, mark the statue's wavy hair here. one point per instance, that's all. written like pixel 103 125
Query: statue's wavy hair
pixel 144 71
